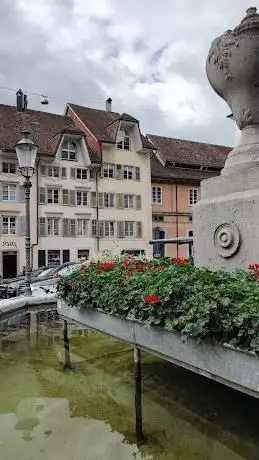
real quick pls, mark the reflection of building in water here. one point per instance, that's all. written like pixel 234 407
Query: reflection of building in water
pixel 37 327
pixel 47 424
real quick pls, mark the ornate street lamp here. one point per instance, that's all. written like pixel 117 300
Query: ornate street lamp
pixel 26 152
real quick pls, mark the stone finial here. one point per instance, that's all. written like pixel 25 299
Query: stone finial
pixel 251 11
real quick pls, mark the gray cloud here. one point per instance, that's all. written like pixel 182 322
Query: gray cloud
pixel 150 59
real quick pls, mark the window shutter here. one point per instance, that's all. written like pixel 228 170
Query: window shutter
pixel 72 197
pixel 100 200
pixel 72 227
pixel 65 227
pixel 137 173
pixel 63 173
pixel 138 202
pixel 43 170
pixel 66 253
pixel 100 228
pixel 119 172
pixel 92 174
pixel 21 194
pixel 21 225
pixel 65 197
pixel 72 173
pixel 94 228
pixel 42 226
pixel 139 229
pixel 121 229
pixel 1 193
pixel 42 195
pixel 119 201
pixel 41 258
pixel 93 199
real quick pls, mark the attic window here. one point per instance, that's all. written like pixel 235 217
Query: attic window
pixel 68 151
pixel 124 143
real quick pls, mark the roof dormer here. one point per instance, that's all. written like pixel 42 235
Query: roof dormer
pixel 72 146
pixel 128 134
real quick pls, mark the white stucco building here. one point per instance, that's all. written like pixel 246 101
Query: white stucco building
pixel 91 191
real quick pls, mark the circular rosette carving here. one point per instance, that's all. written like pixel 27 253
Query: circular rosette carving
pixel 227 239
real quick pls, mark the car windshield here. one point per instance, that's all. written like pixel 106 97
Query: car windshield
pixel 69 269
pixel 45 272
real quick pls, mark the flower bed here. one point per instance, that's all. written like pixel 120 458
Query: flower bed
pixel 172 294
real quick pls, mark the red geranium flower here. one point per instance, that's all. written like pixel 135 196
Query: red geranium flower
pixel 179 260
pixel 152 298
pixel 83 267
pixel 56 275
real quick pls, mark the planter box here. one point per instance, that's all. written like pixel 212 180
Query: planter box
pixel 235 368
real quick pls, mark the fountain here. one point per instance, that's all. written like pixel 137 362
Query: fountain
pixel 226 220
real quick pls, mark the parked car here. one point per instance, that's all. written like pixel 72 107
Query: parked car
pixel 16 287
pixel 49 286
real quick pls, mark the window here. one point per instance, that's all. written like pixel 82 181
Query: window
pixel 81 173
pixel 130 229
pixel 9 168
pixel 193 196
pixel 68 151
pixel 53 226
pixel 129 201
pixel 52 171
pixel 157 218
pixel 109 200
pixel 108 171
pixel 53 196
pixel 156 195
pixel 81 198
pixel 82 227
pixel 9 192
pixel 8 225
pixel 109 228
pixel 128 172
pixel 83 253
pixel 124 144
pixel 53 258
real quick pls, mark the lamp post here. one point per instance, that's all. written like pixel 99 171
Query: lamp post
pixel 26 152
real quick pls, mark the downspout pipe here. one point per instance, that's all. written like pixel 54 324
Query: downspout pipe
pixel 37 214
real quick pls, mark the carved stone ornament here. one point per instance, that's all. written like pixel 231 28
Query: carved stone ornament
pixel 227 239
pixel 233 69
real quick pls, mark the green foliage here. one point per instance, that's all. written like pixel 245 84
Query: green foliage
pixel 172 294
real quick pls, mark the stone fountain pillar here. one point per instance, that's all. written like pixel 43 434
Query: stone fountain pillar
pixel 226 220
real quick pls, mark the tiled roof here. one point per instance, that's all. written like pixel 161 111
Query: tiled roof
pixel 103 124
pixel 169 173
pixel 189 152
pixel 127 117
pixel 96 121
pixel 45 128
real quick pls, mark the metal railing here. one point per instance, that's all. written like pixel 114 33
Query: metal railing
pixel 178 241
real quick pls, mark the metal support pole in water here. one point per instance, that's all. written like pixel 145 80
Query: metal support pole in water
pixel 67 364
pixel 138 396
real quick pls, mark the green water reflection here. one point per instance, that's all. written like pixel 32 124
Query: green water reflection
pixel 87 413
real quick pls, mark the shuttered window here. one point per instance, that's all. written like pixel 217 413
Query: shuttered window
pixel 9 225
pixel 42 226
pixel 42 195
pixel 69 227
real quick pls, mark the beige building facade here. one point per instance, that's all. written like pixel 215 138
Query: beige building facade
pixel 90 193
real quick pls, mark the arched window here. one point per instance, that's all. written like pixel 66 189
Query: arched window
pixel 68 151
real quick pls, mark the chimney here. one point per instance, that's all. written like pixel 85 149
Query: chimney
pixel 21 101
pixel 108 105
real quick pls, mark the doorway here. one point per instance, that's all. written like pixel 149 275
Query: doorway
pixel 9 264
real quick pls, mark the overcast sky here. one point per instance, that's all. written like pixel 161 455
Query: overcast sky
pixel 147 55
